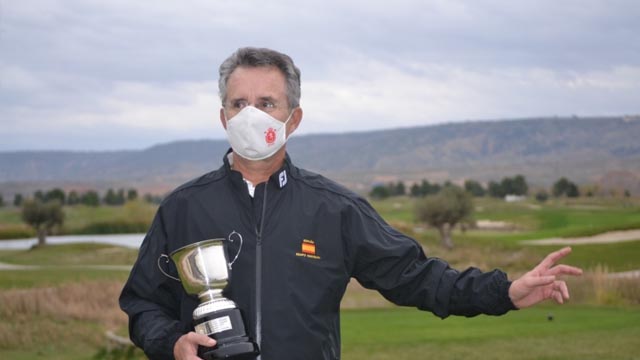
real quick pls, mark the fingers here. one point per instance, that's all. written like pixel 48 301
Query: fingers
pixel 557 297
pixel 560 292
pixel 552 258
pixel 536 281
pixel 564 270
pixel 186 348
pixel 200 339
pixel 562 287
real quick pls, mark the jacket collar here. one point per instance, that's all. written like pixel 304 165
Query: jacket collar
pixel 278 179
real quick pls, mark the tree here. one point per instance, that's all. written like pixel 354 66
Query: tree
pixel 56 194
pixel 433 189
pixel 565 187
pixel 17 200
pixel 73 198
pixel 113 197
pixel 39 195
pixel 120 199
pixel 42 217
pixel 572 190
pixel 152 199
pixel 495 190
pixel 542 196
pixel 1 201
pixel 132 194
pixel 445 210
pixel 514 186
pixel 519 185
pixel 380 192
pixel 90 198
pixel 399 189
pixel 474 187
pixel 415 190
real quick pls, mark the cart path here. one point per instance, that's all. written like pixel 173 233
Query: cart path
pixel 604 238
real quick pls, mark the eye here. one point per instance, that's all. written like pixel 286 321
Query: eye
pixel 268 105
pixel 239 104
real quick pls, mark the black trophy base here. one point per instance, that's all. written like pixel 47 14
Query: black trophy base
pixel 240 349
pixel 227 328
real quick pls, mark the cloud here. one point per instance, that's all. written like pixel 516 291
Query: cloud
pixel 144 73
pixel 382 96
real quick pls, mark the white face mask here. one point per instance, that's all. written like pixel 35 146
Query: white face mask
pixel 256 135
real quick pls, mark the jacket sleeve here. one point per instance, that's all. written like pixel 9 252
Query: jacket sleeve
pixel 384 259
pixel 151 299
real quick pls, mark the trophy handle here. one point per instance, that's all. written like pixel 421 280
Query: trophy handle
pixel 162 270
pixel 239 248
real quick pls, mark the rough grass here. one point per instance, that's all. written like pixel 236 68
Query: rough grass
pixel 74 314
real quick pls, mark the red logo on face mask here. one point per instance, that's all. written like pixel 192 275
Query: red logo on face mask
pixel 270 136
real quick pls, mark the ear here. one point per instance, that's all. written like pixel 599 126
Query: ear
pixel 223 118
pixel 295 120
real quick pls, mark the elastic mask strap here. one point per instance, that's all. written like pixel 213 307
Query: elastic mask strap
pixel 286 136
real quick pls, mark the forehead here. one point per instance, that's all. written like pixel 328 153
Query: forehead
pixel 249 82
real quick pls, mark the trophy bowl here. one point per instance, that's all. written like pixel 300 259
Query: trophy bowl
pixel 204 269
pixel 202 266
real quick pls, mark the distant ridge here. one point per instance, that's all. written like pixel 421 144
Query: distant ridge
pixel 543 149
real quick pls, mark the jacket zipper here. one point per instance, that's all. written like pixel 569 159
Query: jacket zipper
pixel 259 271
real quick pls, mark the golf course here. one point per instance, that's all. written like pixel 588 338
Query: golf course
pixel 61 301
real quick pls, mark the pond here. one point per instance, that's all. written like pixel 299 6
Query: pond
pixel 127 240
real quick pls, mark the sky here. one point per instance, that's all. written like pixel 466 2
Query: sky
pixel 119 74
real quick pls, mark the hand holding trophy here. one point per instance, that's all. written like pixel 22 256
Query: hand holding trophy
pixel 203 268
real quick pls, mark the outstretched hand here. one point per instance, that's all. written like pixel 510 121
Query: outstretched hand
pixel 541 283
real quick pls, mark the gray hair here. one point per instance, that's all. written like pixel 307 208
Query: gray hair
pixel 255 57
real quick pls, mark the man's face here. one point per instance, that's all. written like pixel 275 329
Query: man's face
pixel 263 87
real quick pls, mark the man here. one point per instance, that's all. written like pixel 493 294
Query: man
pixel 304 238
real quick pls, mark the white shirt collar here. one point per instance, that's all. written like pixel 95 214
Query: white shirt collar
pixel 250 187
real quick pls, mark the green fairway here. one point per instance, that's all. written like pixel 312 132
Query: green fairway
pixel 71 254
pixel 534 220
pixel 134 216
pixel 576 332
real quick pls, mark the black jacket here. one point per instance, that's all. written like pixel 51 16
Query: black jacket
pixel 290 296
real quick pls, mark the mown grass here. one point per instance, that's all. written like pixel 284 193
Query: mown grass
pixel 54 265
pixel 83 218
pixel 576 332
pixel 133 216
pixel 534 220
pixel 71 254
pixel 529 220
pixel 616 257
pixel 51 277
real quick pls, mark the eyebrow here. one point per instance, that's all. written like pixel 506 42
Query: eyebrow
pixel 268 98
pixel 261 98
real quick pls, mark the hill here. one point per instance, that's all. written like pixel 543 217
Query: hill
pixel 587 150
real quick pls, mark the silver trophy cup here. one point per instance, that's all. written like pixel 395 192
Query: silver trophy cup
pixel 203 268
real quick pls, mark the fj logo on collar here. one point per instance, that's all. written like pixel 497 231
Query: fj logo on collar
pixel 283 178
pixel 308 250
